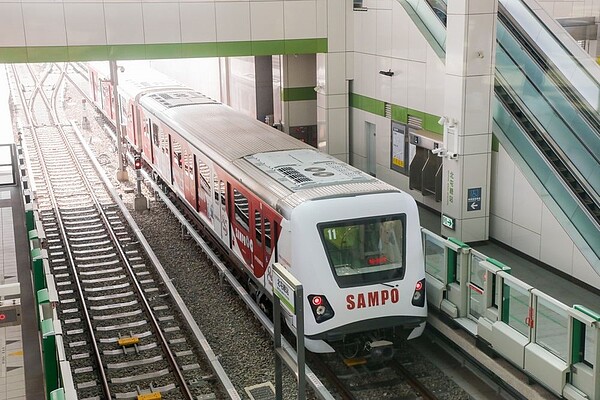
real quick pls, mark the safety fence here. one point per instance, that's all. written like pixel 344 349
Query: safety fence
pixel 553 343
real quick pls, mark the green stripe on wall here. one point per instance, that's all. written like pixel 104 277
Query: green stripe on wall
pixel 298 94
pixel 367 104
pixel 161 51
pixel 399 113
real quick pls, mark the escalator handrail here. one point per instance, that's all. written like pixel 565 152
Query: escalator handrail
pixel 526 155
pixel 512 7
pixel 500 81
pixel 583 108
pixel 593 128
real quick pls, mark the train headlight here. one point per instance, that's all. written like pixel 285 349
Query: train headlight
pixel 418 299
pixel 322 310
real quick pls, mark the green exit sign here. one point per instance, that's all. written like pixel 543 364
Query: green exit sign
pixel 448 222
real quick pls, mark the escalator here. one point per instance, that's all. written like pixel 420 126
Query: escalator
pixel 545 114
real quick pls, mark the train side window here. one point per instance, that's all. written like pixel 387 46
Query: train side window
pixel 177 153
pixel 241 209
pixel 164 141
pixel 155 134
pixel 258 226
pixel 188 160
pixel 216 188
pixel 222 186
pixel 267 224
pixel 204 174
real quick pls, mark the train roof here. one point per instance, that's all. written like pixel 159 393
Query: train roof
pixel 252 151
pixel 136 80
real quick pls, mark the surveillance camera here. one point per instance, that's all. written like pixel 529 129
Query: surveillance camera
pixel 453 156
pixel 439 150
pixel 442 120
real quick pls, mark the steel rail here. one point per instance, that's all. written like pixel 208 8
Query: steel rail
pixel 156 327
pixel 192 325
pixel 60 225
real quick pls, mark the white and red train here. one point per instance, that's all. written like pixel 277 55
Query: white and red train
pixel 352 240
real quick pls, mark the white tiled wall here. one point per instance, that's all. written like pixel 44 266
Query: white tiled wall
pixel 81 22
pixel 37 30
pixel 124 23
pixel 571 8
pixel 198 22
pixel 161 23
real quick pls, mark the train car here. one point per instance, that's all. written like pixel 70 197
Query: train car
pixel 352 240
pixel 134 82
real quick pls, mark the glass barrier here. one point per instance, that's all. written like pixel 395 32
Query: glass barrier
pixel 589 353
pixel 551 327
pixel 495 296
pixel 477 284
pixel 515 307
pixel 434 250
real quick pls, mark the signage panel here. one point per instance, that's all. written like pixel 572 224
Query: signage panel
pixel 448 222
pixel 284 289
pixel 474 199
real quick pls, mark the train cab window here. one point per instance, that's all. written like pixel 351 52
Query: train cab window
pixel 258 226
pixel 365 251
pixel 204 175
pixel 267 224
pixel 241 209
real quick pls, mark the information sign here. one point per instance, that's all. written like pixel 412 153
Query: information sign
pixel 474 199
pixel 448 222
pixel 283 290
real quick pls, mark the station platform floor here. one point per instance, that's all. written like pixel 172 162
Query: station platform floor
pixel 21 375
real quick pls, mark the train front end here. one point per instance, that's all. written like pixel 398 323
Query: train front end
pixel 360 261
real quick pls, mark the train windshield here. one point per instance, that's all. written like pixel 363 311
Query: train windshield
pixel 367 250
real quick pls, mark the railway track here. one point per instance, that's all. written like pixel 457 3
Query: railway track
pixel 121 334
pixel 388 380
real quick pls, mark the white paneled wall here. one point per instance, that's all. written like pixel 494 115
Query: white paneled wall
pixel 197 22
pixel 101 23
pixel 520 219
pixel 571 8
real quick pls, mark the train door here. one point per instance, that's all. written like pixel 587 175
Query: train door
pixel 153 142
pixel 203 189
pixel 220 219
pixel 189 177
pixel 216 206
pixel 176 164
pixel 258 250
pixel 106 99
pixel 131 123
pixel 268 234
pixel 224 217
